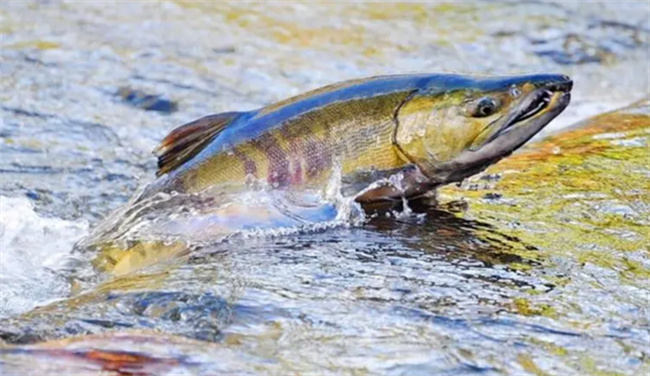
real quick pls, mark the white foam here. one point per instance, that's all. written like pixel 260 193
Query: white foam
pixel 220 213
pixel 33 252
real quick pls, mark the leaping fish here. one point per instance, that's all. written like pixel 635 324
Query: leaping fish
pixel 435 128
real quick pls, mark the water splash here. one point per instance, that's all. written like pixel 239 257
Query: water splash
pixel 154 230
pixel 35 253
pixel 396 181
pixel 223 212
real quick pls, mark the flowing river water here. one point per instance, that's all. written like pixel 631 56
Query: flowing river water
pixel 538 266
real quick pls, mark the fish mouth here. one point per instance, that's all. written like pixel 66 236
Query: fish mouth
pixel 541 99
pixel 539 106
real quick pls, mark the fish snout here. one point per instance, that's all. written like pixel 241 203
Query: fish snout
pixel 564 84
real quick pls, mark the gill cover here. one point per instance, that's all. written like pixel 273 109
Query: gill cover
pixel 432 128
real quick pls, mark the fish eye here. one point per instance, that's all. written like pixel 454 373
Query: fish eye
pixel 484 107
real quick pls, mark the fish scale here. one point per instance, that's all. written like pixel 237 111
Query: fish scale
pixel 310 144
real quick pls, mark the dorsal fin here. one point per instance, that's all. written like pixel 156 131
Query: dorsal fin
pixel 186 141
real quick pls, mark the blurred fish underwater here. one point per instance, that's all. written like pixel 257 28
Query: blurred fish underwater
pixel 538 265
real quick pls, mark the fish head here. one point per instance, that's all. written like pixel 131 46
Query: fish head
pixel 457 126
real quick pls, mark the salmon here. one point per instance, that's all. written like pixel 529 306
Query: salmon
pixel 433 128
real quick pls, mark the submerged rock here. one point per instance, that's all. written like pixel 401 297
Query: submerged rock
pixel 118 353
pixel 148 102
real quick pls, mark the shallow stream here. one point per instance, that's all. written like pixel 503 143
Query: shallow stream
pixel 538 266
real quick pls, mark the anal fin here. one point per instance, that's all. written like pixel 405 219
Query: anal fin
pixel 184 142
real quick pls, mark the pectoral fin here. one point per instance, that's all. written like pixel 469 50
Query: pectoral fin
pixel 184 142
pixel 405 182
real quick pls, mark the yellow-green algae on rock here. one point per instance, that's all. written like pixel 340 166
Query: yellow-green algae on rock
pixel 580 202
pixel 579 193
